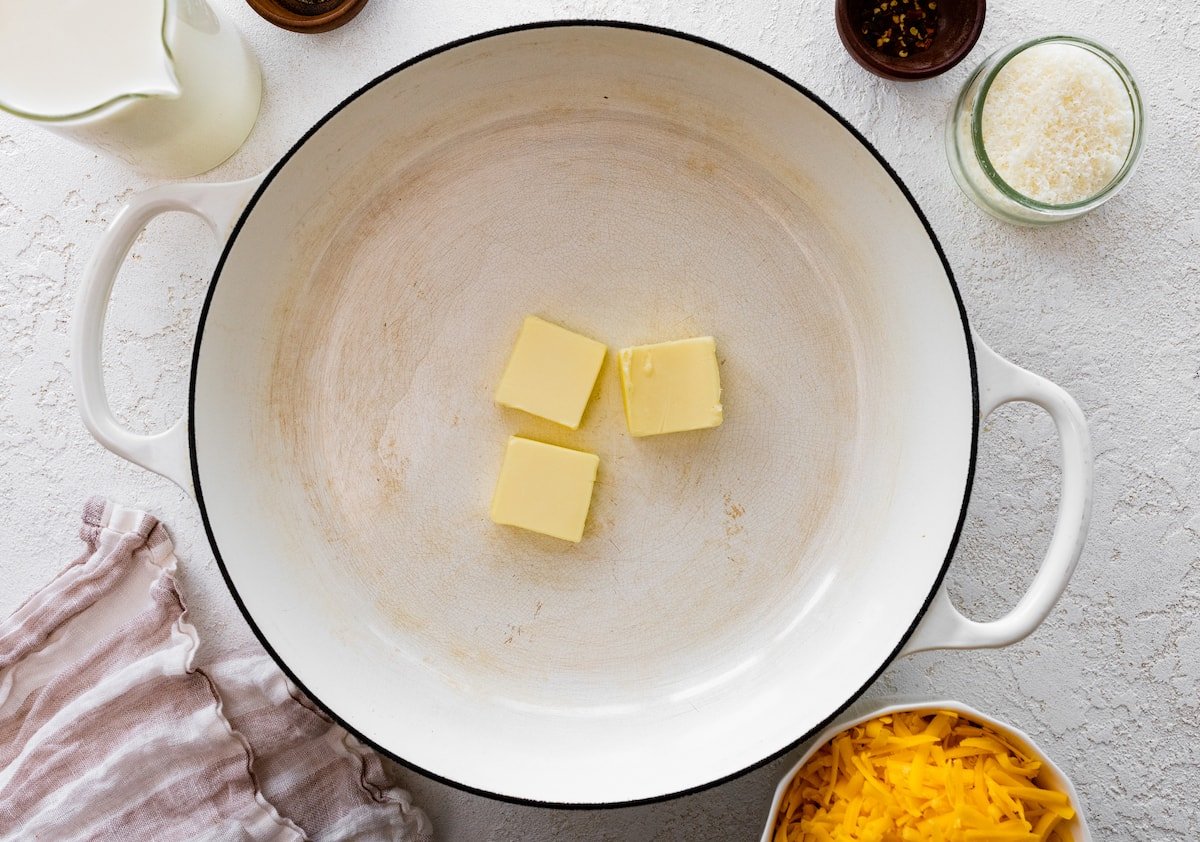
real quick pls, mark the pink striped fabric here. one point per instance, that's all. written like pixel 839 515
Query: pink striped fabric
pixel 108 730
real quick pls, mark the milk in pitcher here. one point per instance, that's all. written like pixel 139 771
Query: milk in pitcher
pixel 166 85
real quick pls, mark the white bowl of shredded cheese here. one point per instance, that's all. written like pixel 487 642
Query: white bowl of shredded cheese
pixel 902 767
pixel 1046 130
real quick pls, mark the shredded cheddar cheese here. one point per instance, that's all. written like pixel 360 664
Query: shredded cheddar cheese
pixel 921 776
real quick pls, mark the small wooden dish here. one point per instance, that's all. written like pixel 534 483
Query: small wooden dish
pixel 959 25
pixel 301 16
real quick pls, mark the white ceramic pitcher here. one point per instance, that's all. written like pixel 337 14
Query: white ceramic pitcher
pixel 168 86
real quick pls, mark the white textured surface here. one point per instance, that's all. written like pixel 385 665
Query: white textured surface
pixel 1108 306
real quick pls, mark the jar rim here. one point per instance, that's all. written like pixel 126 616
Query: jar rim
pixel 1136 140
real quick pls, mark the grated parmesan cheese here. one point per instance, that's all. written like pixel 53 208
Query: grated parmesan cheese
pixel 921 776
pixel 1057 123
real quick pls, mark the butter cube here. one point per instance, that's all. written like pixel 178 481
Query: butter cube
pixel 551 372
pixel 671 387
pixel 544 488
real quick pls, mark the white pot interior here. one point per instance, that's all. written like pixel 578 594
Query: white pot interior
pixel 735 586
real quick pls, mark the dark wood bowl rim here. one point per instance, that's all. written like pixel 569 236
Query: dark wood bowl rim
pixel 282 17
pixel 898 68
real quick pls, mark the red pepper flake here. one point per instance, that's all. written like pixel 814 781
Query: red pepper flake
pixel 899 27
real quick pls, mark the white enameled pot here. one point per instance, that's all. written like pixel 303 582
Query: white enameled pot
pixel 737 587
pixel 865 710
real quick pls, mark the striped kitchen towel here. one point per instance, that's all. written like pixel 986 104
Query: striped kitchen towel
pixel 109 731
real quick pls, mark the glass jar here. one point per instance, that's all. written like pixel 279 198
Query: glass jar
pixel 976 175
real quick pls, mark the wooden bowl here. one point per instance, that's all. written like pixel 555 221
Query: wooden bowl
pixel 301 16
pixel 959 25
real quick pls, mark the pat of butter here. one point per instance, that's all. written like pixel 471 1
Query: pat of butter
pixel 551 372
pixel 544 488
pixel 671 387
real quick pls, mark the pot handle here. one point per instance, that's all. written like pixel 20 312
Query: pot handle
pixel 1001 382
pixel 166 452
